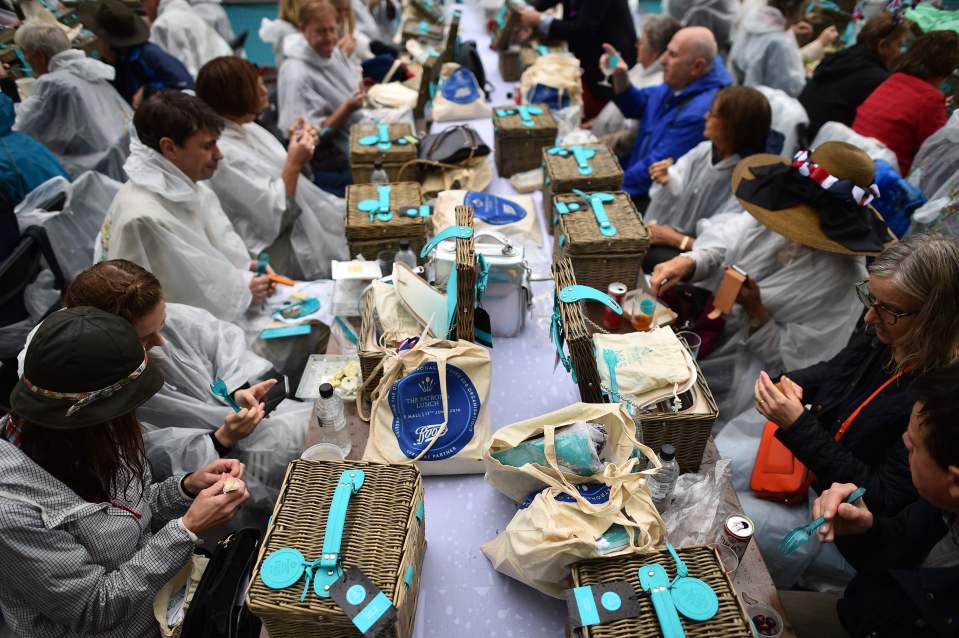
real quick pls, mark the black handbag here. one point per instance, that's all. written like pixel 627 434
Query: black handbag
pixel 217 609
pixel 453 145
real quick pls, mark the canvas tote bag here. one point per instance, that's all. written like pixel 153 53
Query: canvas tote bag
pixel 430 408
pixel 612 516
pixel 518 482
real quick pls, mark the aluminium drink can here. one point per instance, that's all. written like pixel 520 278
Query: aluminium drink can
pixel 737 531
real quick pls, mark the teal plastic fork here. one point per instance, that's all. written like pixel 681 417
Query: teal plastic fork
pixel 801 535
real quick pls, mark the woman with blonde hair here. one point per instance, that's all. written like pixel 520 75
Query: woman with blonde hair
pixel 911 325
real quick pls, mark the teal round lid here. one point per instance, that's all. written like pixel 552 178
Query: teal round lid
pixel 694 599
pixel 282 568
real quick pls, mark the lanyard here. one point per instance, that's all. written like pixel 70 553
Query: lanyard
pixel 852 417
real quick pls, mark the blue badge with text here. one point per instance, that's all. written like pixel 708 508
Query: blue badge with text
pixel 494 210
pixel 461 87
pixel 595 493
pixel 417 405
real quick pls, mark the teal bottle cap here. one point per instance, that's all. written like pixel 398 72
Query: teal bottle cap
pixel 282 568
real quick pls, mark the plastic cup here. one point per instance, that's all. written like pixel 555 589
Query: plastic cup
pixel 323 452
pixel 727 558
pixel 693 341
pixel 765 620
pixel 385 260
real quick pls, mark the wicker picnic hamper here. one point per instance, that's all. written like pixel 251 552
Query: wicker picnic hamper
pixel 566 168
pixel 370 237
pixel 428 34
pixel 505 24
pixel 521 133
pixel 731 621
pixel 428 10
pixel 575 331
pixel 368 347
pixel 395 149
pixel 383 535
pixel 465 277
pixel 599 260
pixel 510 67
pixel 687 430
pixel 529 53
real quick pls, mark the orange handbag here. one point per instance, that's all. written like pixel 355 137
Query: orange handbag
pixel 778 475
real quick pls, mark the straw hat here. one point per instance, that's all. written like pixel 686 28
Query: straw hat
pixel 798 212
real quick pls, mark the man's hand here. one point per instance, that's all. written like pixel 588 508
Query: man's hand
pixel 661 235
pixel 203 478
pixel 530 18
pixel 659 171
pixel 668 273
pixel 783 406
pixel 252 396
pixel 842 519
pixel 750 298
pixel 239 425
pixel 620 72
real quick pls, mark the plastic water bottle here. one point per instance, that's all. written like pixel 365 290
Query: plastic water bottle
pixel 328 413
pixel 663 482
pixel 379 175
pixel 405 254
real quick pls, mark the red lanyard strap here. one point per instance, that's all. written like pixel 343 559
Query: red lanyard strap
pixel 852 417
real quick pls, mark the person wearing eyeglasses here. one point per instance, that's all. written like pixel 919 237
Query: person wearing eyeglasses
pixel 911 325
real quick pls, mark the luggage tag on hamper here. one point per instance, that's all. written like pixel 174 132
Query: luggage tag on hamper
pixel 362 601
pixel 601 604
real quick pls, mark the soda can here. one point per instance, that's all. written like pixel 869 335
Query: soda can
pixel 737 531
pixel 616 292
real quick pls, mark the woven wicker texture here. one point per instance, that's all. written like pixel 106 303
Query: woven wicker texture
pixel 684 430
pixel 561 175
pixel 599 260
pixel 510 66
pixel 432 36
pixel 731 621
pixel 382 536
pixel 363 158
pixel 465 277
pixel 519 147
pixel 528 54
pixel 368 348
pixel 369 238
pixel 577 335
pixel 428 10
pixel 502 37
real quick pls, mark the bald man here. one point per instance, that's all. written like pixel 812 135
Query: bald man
pixel 672 114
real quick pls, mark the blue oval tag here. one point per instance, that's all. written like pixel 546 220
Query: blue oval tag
pixel 494 210
pixel 282 568
pixel 461 87
pixel 417 406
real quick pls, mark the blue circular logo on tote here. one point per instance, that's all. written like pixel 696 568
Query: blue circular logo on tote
pixel 417 405
pixel 494 210
pixel 461 87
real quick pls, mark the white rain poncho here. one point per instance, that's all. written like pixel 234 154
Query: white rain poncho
pixel 611 120
pixel 810 296
pixel 937 159
pixel 365 22
pixel 250 187
pixel 75 112
pixel 71 228
pixel 214 14
pixel 186 36
pixel 839 132
pixel 274 32
pixel 178 420
pixel 716 15
pixel 313 87
pixel 788 115
pixel 697 189
pixel 176 229
pixel 765 53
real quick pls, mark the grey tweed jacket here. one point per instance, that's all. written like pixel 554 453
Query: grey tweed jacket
pixel 69 567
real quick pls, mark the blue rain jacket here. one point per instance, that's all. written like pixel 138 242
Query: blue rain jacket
pixel 24 162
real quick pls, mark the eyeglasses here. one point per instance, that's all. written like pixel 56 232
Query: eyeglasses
pixel 886 314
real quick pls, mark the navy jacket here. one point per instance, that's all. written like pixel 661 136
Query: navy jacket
pixel 892 595
pixel 150 66
pixel 670 125
pixel 871 454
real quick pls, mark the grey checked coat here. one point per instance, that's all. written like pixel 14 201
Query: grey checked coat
pixel 69 567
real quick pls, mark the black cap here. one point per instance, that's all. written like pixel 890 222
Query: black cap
pixel 667 452
pixel 404 244
pixel 377 164
pixel 326 390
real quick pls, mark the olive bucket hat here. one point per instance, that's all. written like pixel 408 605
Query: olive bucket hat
pixel 113 22
pixel 83 367
pixel 820 200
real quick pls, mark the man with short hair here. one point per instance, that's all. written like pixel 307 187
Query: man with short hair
pixel 672 115
pixel 142 68
pixel 167 221
pixel 72 108
pixel 908 580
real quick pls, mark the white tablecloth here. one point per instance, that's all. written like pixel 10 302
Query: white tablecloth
pixel 461 594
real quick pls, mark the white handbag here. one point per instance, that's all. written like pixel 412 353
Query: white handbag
pixel 508 296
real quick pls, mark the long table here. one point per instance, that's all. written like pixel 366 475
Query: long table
pixel 462 595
